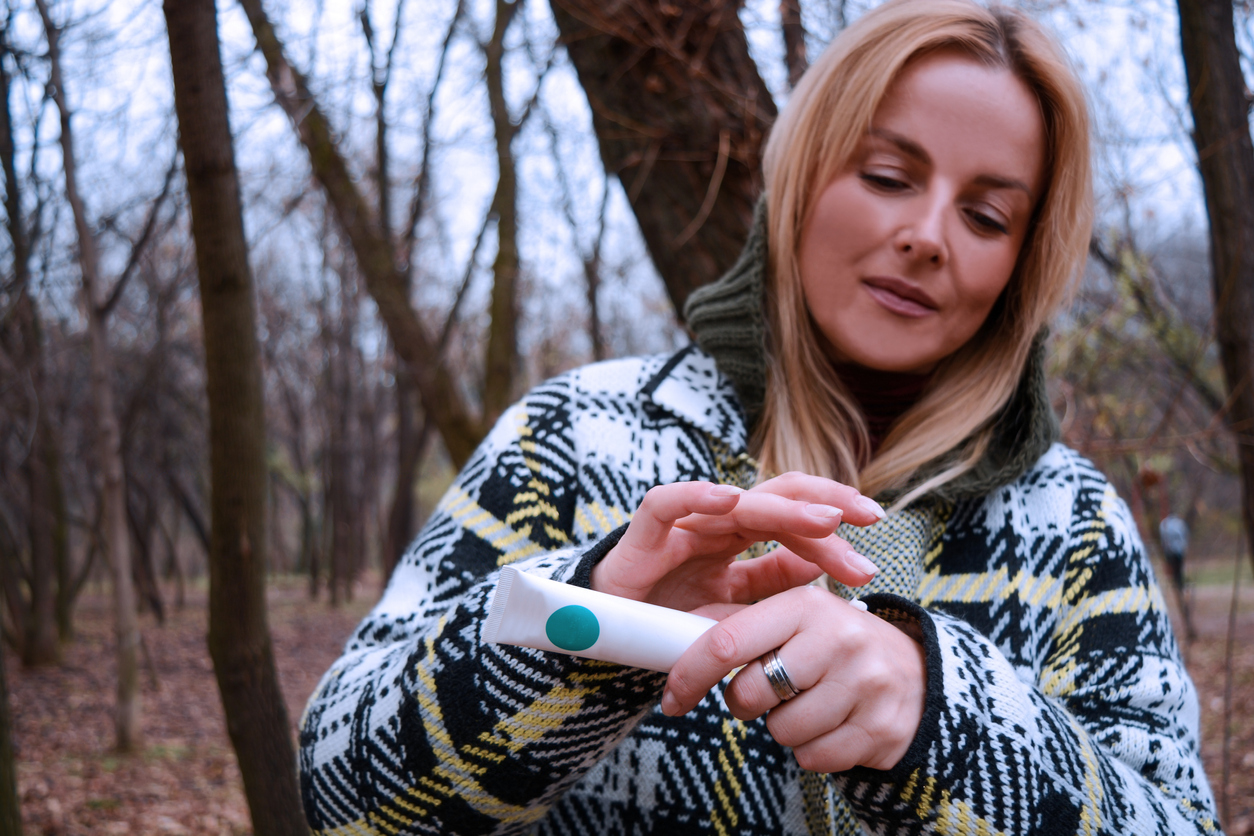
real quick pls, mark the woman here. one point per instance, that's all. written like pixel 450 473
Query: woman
pixel 928 208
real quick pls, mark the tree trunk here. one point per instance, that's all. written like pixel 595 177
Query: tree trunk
pixel 408 452
pixel 66 590
pixel 10 810
pixel 40 639
pixel 681 115
pixel 499 379
pixel 460 429
pixel 239 636
pixel 13 611
pixel 338 491
pixel 794 40
pixel 409 444
pixel 145 574
pixel 1225 156
pixel 108 438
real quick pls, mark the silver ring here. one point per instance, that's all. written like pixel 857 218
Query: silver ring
pixel 777 675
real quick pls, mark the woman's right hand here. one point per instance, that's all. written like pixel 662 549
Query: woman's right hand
pixel 680 549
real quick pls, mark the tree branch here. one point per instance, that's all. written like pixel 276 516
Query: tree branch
pixel 441 397
pixel 140 245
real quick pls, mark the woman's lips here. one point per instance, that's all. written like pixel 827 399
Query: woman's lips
pixel 900 297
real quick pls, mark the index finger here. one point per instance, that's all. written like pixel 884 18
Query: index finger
pixel 858 509
pixel 663 505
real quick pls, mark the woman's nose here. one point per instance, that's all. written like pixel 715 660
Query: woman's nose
pixel 922 236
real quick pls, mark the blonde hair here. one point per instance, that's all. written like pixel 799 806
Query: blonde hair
pixel 810 421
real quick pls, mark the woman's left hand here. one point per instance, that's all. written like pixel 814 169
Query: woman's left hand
pixel 862 681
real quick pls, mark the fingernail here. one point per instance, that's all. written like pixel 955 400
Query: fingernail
pixel 860 563
pixel 871 507
pixel 726 490
pixel 824 511
pixel 670 705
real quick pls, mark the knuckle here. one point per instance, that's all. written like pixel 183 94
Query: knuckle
pixel 724 645
pixel 879 680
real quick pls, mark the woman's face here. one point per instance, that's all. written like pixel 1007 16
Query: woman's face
pixel 905 252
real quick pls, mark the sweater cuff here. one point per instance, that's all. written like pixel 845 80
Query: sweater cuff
pixel 917 623
pixel 583 571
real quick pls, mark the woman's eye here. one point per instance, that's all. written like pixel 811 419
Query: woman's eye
pixel 987 223
pixel 884 182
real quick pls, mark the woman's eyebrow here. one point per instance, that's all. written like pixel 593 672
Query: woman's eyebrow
pixel 905 145
pixel 998 182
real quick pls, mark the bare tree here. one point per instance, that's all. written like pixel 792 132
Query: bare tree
pixel 410 437
pixel 794 40
pixel 239 635
pixel 108 439
pixel 1220 102
pixel 590 257
pixel 342 488
pixel 21 333
pixel 240 643
pixel 501 363
pixel 386 277
pixel 10 807
pixel 681 114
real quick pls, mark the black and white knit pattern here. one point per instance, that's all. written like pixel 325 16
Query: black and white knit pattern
pixel 1057 700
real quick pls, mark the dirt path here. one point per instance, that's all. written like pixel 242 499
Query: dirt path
pixel 185 781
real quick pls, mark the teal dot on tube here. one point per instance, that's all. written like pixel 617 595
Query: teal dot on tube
pixel 573 628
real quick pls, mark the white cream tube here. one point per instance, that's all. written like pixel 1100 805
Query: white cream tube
pixel 547 615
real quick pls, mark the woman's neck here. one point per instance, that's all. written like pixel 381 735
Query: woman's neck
pixel 883 396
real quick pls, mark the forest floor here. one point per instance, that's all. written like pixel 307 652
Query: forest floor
pixel 185 779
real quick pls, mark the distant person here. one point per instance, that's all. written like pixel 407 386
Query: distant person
pixel 1173 533
pixel 927 210
pixel 1173 536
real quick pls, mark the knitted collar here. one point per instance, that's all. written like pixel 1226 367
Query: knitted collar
pixel 727 318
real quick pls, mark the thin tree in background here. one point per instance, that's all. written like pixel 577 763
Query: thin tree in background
pixel 1219 100
pixel 590 257
pixel 115 536
pixel 411 437
pixel 239 635
pixel 681 114
pixel 399 527
pixel 38 634
pixel 501 362
pixel 10 810
pixel 794 34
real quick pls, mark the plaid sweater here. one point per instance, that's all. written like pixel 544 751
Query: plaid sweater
pixel 1057 700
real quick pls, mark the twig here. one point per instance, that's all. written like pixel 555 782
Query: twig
pixel 423 182
pixel 716 182
pixel 451 320
pixel 141 244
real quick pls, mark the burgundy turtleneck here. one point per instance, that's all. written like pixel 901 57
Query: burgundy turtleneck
pixel 883 396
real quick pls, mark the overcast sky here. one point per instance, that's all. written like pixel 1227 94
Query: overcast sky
pixel 118 76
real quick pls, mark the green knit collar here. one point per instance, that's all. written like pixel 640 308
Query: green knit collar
pixel 727 318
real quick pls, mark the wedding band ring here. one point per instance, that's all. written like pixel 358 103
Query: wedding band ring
pixel 777 675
